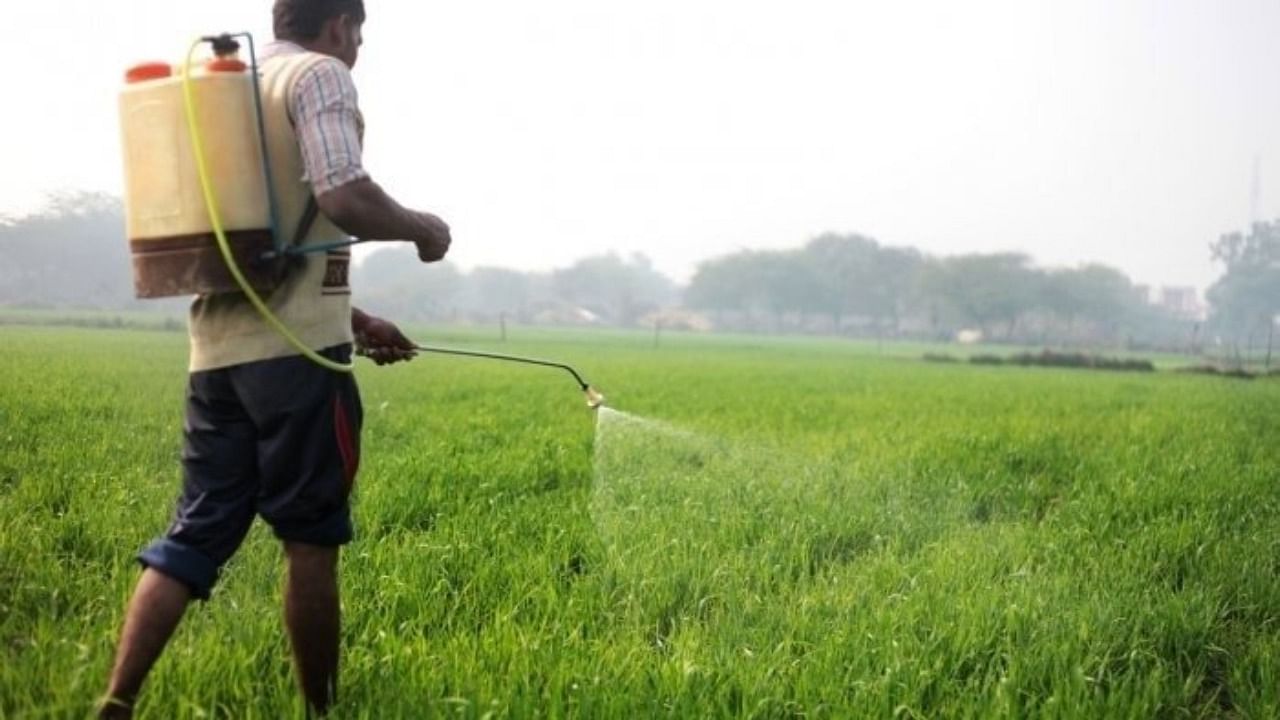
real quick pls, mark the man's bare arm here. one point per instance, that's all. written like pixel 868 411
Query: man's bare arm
pixel 365 210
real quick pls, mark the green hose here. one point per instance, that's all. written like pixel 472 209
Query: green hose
pixel 215 219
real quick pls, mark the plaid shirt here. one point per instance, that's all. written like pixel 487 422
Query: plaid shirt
pixel 324 107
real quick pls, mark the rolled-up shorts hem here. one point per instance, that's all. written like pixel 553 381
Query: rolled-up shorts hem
pixel 333 531
pixel 183 563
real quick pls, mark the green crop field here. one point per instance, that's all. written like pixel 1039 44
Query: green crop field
pixel 756 529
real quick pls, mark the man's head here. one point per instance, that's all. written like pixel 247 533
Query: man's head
pixel 331 27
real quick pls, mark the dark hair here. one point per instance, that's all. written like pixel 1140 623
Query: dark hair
pixel 304 19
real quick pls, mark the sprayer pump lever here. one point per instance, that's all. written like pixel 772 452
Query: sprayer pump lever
pixel 223 44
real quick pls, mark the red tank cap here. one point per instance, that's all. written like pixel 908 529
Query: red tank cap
pixel 225 65
pixel 143 72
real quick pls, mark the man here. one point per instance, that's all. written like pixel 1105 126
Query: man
pixel 267 431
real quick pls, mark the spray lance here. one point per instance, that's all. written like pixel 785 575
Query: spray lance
pixel 594 399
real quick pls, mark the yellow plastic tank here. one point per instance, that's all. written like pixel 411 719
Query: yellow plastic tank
pixel 167 224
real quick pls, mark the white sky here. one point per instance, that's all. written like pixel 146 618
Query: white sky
pixel 1120 131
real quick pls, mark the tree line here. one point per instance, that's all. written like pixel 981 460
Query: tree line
pixel 72 254
pixel 851 284
pixel 601 290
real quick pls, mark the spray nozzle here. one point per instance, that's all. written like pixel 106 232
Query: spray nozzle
pixel 594 399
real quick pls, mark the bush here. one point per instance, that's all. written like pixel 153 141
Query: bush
pixel 1049 358
pixel 1233 372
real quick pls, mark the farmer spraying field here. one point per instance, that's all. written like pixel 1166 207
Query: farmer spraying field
pixel 272 417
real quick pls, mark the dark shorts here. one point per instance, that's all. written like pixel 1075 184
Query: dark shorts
pixel 277 438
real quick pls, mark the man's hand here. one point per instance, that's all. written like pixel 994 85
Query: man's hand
pixel 435 239
pixel 379 340
pixel 362 209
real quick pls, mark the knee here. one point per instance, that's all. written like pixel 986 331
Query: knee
pixel 311 558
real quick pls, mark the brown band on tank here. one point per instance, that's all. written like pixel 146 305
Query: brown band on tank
pixel 198 240
pixel 193 264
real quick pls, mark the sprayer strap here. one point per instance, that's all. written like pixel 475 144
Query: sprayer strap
pixel 308 219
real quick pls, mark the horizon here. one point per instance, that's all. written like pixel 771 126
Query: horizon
pixel 365 250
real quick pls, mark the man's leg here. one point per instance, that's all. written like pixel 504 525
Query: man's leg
pixel 308 451
pixel 212 516
pixel 157 605
pixel 312 615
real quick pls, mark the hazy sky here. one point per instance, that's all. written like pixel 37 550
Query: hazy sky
pixel 1119 131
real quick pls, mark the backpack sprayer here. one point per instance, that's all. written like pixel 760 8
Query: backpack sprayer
pixel 180 239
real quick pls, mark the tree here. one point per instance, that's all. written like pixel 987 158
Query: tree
pixel 894 286
pixel 757 282
pixel 843 270
pixel 1246 298
pixel 985 290
pixel 1096 294
pixel 855 276
pixel 720 284
pixel 71 253
pixel 493 291
pixel 621 291
pixel 392 281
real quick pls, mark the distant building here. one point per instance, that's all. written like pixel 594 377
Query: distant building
pixel 678 319
pixel 1182 301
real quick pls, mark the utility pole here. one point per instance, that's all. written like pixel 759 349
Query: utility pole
pixel 1255 193
pixel 1271 333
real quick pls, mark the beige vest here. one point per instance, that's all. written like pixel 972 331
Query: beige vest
pixel 315 299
